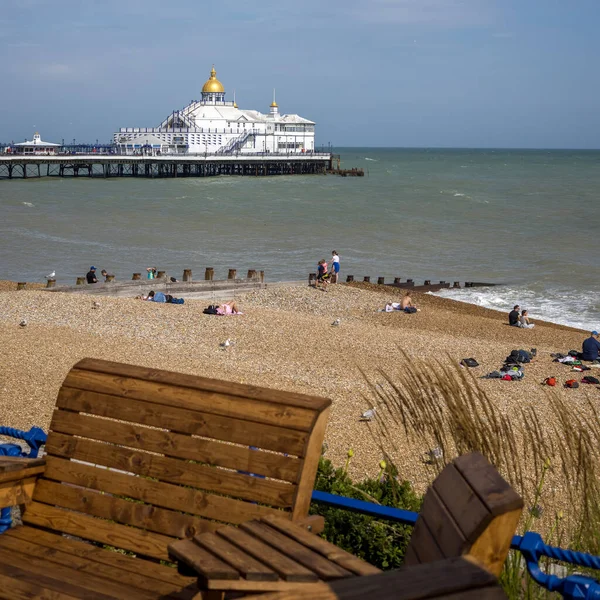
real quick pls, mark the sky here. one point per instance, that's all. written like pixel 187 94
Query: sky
pixel 380 73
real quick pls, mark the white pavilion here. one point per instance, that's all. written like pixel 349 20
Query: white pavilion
pixel 214 125
pixel 35 146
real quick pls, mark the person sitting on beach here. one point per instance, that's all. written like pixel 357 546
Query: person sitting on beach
pixel 91 275
pixel 590 348
pixel 335 266
pixel 322 275
pixel 513 316
pixel 228 308
pixel 406 304
pixel 524 320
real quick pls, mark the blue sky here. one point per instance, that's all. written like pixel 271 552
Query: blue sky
pixel 422 73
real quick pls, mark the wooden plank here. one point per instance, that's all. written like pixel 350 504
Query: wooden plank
pixel 269 437
pixel 14 469
pixel 465 506
pixel 206 565
pixel 315 562
pixel 494 492
pixel 13 586
pixel 329 551
pixel 312 454
pixel 440 522
pixel 203 383
pixel 177 445
pixel 85 565
pixel 150 570
pixel 64 578
pixel 17 492
pixel 199 399
pixel 423 544
pixel 267 491
pixel 288 569
pixel 175 497
pixel 90 528
pixel 127 512
pixel 249 568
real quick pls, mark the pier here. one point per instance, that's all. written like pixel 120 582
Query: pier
pixel 161 166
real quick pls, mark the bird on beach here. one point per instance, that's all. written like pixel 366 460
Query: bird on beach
pixel 434 455
pixel 336 322
pixel 23 323
pixel 226 344
pixel 95 304
pixel 368 415
pixel 51 275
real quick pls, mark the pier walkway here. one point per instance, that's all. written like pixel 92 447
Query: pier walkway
pixel 172 165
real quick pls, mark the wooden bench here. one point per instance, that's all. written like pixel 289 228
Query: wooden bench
pixel 469 510
pixel 137 458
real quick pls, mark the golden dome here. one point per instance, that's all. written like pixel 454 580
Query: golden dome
pixel 213 85
pixel 273 104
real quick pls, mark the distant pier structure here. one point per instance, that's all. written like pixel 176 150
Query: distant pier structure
pixel 180 165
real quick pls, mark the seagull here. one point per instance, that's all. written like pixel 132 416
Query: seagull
pixel 23 323
pixel 95 304
pixel 336 322
pixel 226 343
pixel 368 415
pixel 435 454
pixel 51 275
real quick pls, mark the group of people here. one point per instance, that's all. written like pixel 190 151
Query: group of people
pixel 325 276
pixel 406 305
pixel 91 275
pixel 519 319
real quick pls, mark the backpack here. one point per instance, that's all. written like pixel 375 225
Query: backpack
pixel 211 310
pixel 551 381
pixel 571 383
pixel 469 362
pixel 573 353
pixel 590 379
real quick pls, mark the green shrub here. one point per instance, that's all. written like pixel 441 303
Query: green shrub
pixel 380 543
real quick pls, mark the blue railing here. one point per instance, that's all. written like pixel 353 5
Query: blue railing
pixel 531 545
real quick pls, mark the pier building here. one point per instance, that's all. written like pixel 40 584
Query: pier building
pixel 33 147
pixel 213 125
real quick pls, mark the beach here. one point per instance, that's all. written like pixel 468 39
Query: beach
pixel 284 340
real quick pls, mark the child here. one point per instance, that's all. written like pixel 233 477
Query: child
pixel 322 275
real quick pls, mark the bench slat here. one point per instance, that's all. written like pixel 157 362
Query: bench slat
pixel 98 530
pixel 223 404
pixel 274 493
pixel 205 563
pixel 177 445
pixel 181 420
pixel 166 495
pixel 423 545
pixel 17 584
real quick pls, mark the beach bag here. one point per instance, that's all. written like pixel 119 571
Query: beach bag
pixel 469 362
pixel 506 377
pixel 551 381
pixel 590 379
pixel 573 353
pixel 571 383
pixel 211 310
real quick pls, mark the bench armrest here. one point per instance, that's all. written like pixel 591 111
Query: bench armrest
pixel 17 479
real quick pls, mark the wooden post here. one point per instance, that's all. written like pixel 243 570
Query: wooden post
pixel 312 279
pixel 187 275
pixel 397 280
pixel 427 282
pixel 367 279
pixel 161 274
pixel 349 278
pixel 410 282
pixel 442 283
pixel 50 283
pixel 456 284
pixel 80 281
pixel 251 273
pixel 380 280
pixel 21 285
pixel 261 276
pixel 232 273
pixel 209 274
pixel 110 278
pixel 136 276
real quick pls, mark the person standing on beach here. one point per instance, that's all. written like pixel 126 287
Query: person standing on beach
pixel 513 316
pixel 91 275
pixel 335 266
pixel 322 275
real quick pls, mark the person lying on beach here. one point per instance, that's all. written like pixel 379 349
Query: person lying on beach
pixel 406 304
pixel 160 297
pixel 228 308
pixel 524 320
pixel 322 275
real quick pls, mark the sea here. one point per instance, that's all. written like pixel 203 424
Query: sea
pixel 527 220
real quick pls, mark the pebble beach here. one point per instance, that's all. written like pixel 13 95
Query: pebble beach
pixel 285 340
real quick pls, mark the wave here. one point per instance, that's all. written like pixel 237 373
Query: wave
pixel 27 204
pixel 371 159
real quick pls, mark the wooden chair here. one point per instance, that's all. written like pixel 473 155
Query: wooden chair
pixel 137 458
pixel 469 510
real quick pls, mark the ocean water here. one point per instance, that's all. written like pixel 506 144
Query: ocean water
pixel 526 219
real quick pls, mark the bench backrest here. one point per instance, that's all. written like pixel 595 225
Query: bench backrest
pixel 137 457
pixel 468 510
